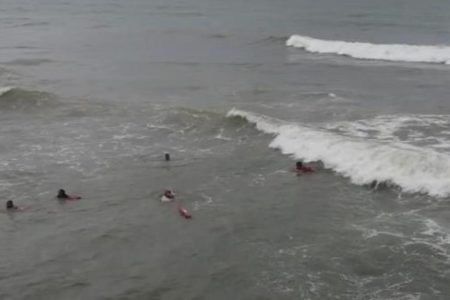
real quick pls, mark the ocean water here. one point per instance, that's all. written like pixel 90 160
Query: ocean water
pixel 93 93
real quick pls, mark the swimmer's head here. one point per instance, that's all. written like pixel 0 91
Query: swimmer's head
pixel 9 204
pixel 62 194
pixel 169 194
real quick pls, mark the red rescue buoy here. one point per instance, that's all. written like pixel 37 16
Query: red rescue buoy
pixel 184 213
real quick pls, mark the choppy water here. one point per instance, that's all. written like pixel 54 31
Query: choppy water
pixel 93 93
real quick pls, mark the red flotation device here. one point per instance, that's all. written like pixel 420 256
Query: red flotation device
pixel 305 169
pixel 184 212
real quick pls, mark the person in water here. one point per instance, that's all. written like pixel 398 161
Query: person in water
pixel 300 168
pixel 10 205
pixel 168 196
pixel 62 195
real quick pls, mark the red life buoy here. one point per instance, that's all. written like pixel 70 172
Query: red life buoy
pixel 184 213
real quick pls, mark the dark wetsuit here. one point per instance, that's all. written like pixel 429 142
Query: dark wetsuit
pixel 62 195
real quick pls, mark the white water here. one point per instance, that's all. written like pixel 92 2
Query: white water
pixel 415 129
pixel 388 52
pixel 412 168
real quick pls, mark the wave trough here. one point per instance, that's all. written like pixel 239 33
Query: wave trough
pixel 413 169
pixel 387 52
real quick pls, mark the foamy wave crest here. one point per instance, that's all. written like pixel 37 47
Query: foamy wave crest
pixel 389 52
pixel 5 89
pixel 414 169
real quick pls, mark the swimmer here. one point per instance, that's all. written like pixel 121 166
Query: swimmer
pixel 10 205
pixel 300 168
pixel 168 196
pixel 63 196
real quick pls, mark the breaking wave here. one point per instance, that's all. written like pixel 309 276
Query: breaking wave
pixel 413 169
pixel 387 52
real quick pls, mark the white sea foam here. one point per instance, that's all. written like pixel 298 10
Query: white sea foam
pixel 414 169
pixel 435 230
pixel 413 129
pixel 220 136
pixel 388 52
pixel 371 233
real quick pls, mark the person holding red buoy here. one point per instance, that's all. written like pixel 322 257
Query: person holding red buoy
pixel 301 168
pixel 168 196
pixel 63 196
pixel 10 206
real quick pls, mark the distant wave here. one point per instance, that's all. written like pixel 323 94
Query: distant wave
pixel 273 39
pixel 218 36
pixel 32 24
pixel 414 169
pixel 388 52
pixel 28 62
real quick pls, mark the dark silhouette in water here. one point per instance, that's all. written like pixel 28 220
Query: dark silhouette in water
pixel 10 205
pixel 379 185
pixel 63 196
pixel 300 168
pixel 168 196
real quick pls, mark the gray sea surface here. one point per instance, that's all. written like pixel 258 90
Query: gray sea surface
pixel 93 93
